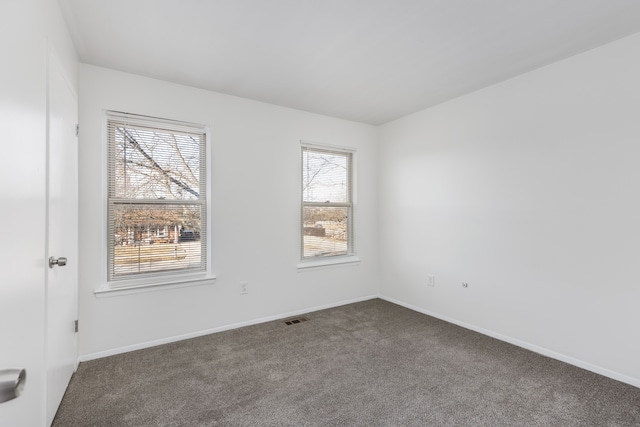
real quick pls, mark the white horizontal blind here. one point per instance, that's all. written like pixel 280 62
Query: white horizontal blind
pixel 157 219
pixel 327 203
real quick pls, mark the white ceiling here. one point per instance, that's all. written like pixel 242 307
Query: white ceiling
pixel 370 61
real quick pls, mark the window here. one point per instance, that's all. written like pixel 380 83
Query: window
pixel 327 203
pixel 156 203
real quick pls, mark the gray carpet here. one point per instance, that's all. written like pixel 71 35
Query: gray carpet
pixel 366 364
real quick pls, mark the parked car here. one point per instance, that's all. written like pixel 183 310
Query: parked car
pixel 189 235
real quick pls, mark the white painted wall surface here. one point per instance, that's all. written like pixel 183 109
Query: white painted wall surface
pixel 529 191
pixel 255 215
pixel 28 29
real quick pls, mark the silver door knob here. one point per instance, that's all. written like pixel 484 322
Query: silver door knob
pixel 11 383
pixel 60 262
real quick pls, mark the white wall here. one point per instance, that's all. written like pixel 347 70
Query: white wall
pixel 29 30
pixel 529 191
pixel 255 215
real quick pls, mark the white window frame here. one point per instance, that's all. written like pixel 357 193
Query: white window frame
pixel 165 279
pixel 351 255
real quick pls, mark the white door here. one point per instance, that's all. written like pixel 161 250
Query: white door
pixel 62 239
pixel 23 93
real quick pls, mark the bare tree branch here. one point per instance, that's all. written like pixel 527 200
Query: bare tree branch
pixel 174 144
pixel 155 164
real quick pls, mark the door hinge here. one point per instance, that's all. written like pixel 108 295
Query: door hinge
pixel 75 326
pixel 77 130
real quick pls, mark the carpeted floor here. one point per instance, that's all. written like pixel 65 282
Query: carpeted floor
pixel 367 364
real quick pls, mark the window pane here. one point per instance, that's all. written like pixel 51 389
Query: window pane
pixel 155 164
pixel 325 176
pixel 157 197
pixel 325 231
pixel 153 238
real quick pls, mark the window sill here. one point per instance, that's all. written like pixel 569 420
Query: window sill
pixel 140 286
pixel 313 264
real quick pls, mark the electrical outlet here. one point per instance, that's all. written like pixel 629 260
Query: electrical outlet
pixel 431 280
pixel 244 288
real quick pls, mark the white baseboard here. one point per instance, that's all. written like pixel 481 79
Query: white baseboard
pixel 543 351
pixel 140 346
pixel 526 345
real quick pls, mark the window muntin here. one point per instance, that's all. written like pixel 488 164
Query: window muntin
pixel 157 219
pixel 327 203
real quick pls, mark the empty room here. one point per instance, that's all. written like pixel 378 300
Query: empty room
pixel 320 213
